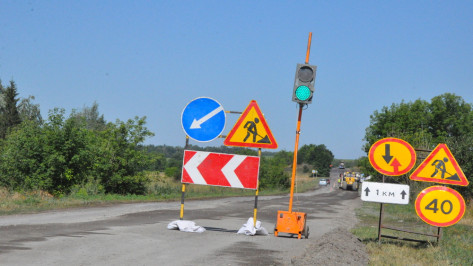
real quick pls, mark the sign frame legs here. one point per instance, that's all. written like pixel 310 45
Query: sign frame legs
pixel 183 195
pixel 255 211
pixel 380 226
pixel 380 223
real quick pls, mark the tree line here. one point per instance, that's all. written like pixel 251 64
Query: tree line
pixel 62 153
pixel 275 167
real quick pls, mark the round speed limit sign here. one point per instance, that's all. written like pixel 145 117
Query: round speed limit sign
pixel 440 206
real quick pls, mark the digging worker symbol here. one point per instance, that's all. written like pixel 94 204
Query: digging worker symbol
pixel 251 127
pixel 253 131
pixel 440 166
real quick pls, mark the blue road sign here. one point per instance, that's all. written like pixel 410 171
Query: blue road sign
pixel 203 119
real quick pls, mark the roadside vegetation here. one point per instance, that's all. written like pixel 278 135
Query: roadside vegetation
pixel 455 246
pixel 79 159
pixel 161 188
pixel 447 118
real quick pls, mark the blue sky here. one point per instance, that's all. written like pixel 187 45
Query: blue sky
pixel 151 58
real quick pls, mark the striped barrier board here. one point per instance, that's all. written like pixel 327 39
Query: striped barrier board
pixel 220 169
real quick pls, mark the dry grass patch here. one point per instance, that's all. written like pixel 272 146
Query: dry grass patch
pixel 161 188
pixel 454 248
pixel 405 254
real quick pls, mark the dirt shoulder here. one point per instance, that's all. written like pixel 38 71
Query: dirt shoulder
pixel 337 247
pixel 129 233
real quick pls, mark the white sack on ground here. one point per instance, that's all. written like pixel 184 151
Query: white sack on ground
pixel 185 226
pixel 250 230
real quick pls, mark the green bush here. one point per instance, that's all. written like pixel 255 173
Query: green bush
pixel 273 175
pixel 120 184
pixel 173 172
pixel 62 154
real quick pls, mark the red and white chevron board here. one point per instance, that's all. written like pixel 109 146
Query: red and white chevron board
pixel 220 169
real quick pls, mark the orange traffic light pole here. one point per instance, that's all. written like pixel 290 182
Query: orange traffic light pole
pixel 287 221
pixel 298 129
pixel 294 162
pixel 308 48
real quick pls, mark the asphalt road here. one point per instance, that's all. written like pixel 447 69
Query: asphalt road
pixel 136 234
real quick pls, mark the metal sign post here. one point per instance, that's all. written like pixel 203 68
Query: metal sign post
pixel 255 210
pixel 390 156
pixel 183 194
pixel 203 120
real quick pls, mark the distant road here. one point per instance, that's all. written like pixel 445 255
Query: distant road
pixel 136 234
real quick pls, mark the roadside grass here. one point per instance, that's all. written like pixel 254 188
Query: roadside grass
pixel 161 188
pixel 455 246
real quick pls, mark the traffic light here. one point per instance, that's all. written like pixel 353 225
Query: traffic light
pixel 304 83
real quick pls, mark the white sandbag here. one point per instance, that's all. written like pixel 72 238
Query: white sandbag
pixel 250 229
pixel 185 226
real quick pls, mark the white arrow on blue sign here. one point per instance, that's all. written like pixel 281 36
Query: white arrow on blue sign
pixel 203 119
pixel 385 193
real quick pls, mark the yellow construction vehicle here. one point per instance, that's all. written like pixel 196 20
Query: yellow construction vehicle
pixel 350 181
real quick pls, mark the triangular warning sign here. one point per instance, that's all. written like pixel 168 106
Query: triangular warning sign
pixel 251 130
pixel 440 167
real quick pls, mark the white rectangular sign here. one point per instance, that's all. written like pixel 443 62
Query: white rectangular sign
pixel 385 193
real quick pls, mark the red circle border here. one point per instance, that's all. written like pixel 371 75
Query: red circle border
pixel 433 188
pixel 400 141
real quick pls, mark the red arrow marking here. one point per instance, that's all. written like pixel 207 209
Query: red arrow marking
pixel 382 163
pixel 396 165
pixel 211 169
pixel 246 172
pixel 220 169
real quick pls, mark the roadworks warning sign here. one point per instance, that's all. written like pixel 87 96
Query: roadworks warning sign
pixel 440 167
pixel 251 130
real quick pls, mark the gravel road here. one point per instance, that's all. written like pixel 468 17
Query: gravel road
pixel 136 234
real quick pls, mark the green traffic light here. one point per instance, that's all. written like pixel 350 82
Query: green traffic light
pixel 303 93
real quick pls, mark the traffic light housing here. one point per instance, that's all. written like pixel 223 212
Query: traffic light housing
pixel 304 83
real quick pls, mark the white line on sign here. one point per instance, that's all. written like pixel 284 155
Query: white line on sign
pixel 196 123
pixel 229 170
pixel 220 169
pixel 385 193
pixel 191 167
